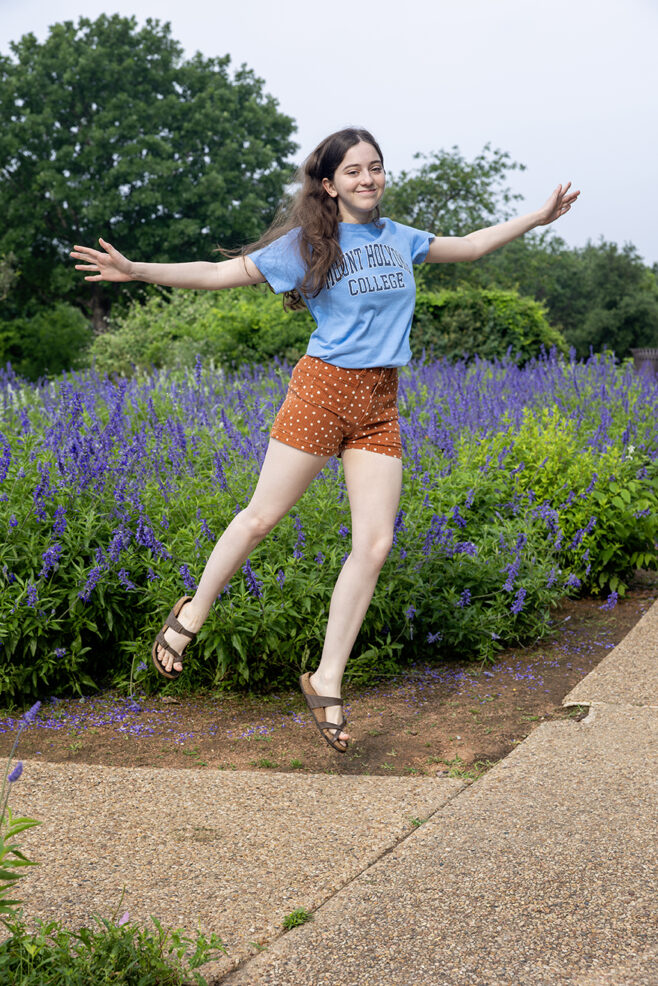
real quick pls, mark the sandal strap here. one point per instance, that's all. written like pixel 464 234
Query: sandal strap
pixel 160 639
pixel 321 701
pixel 174 624
pixel 336 726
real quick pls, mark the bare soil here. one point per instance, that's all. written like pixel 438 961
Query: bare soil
pixel 456 719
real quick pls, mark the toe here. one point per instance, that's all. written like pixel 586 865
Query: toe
pixel 163 658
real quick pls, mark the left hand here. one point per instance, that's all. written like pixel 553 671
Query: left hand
pixel 557 204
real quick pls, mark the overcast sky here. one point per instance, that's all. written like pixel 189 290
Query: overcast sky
pixel 567 87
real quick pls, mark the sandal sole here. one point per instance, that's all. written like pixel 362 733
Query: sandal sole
pixel 304 680
pixel 171 675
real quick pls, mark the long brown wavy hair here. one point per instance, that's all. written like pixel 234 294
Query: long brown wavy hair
pixel 315 212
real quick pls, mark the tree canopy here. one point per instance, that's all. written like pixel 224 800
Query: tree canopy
pixel 105 129
pixel 600 295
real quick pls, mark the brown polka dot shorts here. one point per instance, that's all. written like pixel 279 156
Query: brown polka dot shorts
pixel 329 409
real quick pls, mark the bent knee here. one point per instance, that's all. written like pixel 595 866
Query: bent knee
pixel 375 550
pixel 257 523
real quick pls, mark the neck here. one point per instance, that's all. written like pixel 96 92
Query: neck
pixel 355 220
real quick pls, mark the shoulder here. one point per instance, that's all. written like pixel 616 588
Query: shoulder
pixel 394 227
pixel 286 241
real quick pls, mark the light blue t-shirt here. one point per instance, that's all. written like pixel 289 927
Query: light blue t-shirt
pixel 363 312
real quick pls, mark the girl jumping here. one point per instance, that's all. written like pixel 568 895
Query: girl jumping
pixel 353 271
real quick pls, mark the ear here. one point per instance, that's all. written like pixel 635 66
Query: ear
pixel 329 187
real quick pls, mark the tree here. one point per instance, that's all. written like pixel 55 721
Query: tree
pixel 106 130
pixel 451 196
pixel 599 296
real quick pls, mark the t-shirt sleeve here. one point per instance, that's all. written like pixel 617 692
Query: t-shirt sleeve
pixel 280 262
pixel 419 242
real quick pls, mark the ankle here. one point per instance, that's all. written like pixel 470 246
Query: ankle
pixel 192 616
pixel 326 684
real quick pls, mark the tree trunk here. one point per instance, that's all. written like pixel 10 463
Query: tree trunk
pixel 99 310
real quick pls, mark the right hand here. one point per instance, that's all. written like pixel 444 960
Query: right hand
pixel 108 262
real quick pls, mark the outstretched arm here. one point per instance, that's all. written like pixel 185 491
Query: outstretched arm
pixel 448 249
pixel 110 265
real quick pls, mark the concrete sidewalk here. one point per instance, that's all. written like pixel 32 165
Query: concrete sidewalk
pixel 544 871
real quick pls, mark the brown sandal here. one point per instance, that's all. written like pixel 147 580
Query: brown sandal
pixel 329 730
pixel 172 623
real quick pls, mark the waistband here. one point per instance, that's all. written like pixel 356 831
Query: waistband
pixel 355 373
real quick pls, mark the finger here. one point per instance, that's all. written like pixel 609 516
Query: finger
pixel 84 253
pixel 86 267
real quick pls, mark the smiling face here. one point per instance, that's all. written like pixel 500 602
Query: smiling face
pixel 358 183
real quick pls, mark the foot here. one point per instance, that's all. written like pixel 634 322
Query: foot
pixel 332 713
pixel 192 620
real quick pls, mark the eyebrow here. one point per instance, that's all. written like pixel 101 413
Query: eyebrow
pixel 355 164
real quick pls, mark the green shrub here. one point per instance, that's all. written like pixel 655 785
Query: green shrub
pixel 50 342
pixel 227 328
pixel 600 517
pixel 468 321
pixel 44 953
pixel 122 952
pixel 112 495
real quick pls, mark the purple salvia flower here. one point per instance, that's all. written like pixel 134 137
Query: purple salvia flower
pixel 50 559
pixel 32 595
pixel 204 526
pixel 59 521
pixel 93 579
pixel 301 538
pixel 253 585
pixel 16 772
pixel 512 571
pixel 433 637
pixel 123 578
pixel 611 601
pixel 5 457
pixel 517 605
pixel 31 713
pixel 188 579
pixel 343 531
pixel 410 612
pixel 281 577
pixel 465 598
pixel 457 517
pixel 12 521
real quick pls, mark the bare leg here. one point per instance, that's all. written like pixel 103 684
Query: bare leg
pixel 285 475
pixel 373 484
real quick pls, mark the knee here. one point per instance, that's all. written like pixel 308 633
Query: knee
pixel 257 523
pixel 375 550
